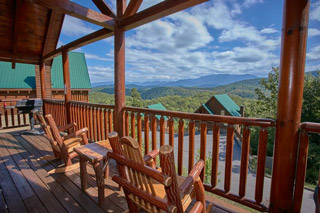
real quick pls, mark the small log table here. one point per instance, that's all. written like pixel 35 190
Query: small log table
pixel 96 154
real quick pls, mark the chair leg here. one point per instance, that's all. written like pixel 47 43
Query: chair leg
pixel 200 193
pixel 65 169
pixel 47 157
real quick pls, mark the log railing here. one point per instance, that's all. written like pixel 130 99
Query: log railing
pixel 305 129
pixel 147 123
pixel 57 109
pixel 9 115
pixel 154 128
pixel 98 118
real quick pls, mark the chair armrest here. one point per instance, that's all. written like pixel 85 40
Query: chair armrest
pixel 151 155
pixel 67 127
pixel 192 177
pixel 76 134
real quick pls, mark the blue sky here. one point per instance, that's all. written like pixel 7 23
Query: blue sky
pixel 221 36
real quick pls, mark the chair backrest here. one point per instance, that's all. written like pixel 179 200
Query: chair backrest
pixel 133 153
pixel 54 130
pixel 46 128
pixel 146 187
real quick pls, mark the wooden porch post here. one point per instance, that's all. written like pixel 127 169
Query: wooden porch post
pixel 293 54
pixel 119 72
pixel 67 85
pixel 43 84
pixel 43 81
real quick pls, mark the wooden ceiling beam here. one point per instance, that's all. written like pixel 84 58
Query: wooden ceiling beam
pixel 121 7
pixel 50 30
pixel 157 11
pixel 104 8
pixel 21 57
pixel 17 15
pixel 78 11
pixel 85 40
pixel 132 8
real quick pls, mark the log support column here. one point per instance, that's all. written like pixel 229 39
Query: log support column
pixel 119 72
pixel 290 94
pixel 67 85
pixel 119 80
pixel 43 83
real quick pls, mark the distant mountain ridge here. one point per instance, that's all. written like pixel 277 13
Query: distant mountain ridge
pixel 207 81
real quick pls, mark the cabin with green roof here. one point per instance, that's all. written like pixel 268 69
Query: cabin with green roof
pixel 158 106
pixel 24 80
pixel 221 105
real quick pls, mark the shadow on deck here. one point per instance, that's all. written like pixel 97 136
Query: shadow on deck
pixel 27 187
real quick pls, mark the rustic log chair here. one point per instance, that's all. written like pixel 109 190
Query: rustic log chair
pixel 70 128
pixel 150 189
pixel 62 146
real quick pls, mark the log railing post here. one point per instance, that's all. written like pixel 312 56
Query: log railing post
pixel 293 54
pixel 67 84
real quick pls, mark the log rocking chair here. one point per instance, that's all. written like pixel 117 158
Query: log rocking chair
pixel 62 146
pixel 154 190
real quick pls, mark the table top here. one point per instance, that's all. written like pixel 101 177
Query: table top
pixel 94 152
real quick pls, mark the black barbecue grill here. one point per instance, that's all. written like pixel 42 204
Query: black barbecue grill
pixel 29 106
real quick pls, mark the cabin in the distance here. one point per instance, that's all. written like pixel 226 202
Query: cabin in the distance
pixel 221 105
pixel 24 81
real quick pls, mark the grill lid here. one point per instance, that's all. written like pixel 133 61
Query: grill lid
pixel 29 103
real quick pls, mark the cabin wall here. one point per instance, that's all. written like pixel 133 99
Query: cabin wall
pixel 38 83
pixel 76 95
pixel 15 94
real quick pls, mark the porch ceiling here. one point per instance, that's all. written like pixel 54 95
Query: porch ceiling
pixel 28 31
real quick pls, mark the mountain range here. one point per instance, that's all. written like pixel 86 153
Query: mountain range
pixel 208 81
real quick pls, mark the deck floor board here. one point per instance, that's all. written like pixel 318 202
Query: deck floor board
pixel 26 186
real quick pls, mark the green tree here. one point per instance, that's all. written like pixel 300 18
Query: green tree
pixel 136 98
pixel 311 113
pixel 265 107
pixel 267 94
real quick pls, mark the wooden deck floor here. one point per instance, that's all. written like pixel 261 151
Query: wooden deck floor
pixel 27 187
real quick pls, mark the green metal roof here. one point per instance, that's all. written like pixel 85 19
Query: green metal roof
pixel 158 106
pixel 22 77
pixel 228 104
pixel 79 76
pixel 208 109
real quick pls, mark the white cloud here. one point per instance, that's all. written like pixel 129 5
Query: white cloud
pixel 314 54
pixel 313 32
pixel 315 11
pixel 60 43
pixel 75 27
pixel 100 73
pixel 171 34
pixel 219 15
pixel 269 30
pixel 248 3
pixel 96 57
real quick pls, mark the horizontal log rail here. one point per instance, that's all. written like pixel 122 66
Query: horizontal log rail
pixel 305 130
pixel 262 122
pixel 10 117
